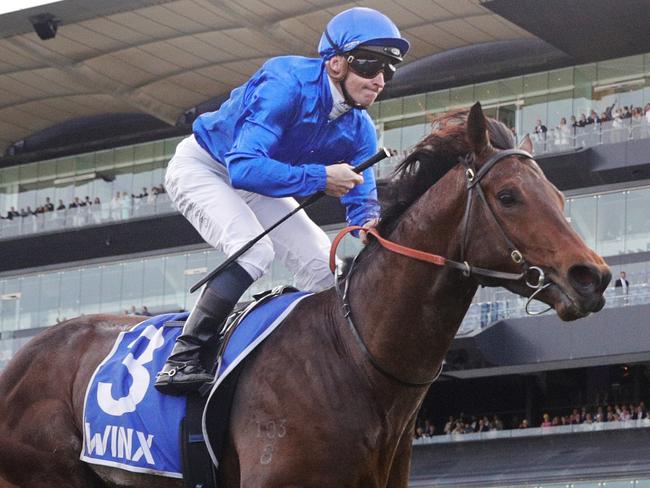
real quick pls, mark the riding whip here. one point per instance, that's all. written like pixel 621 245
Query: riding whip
pixel 382 154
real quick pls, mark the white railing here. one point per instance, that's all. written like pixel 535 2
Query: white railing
pixel 533 432
pixel 96 214
pixel 511 306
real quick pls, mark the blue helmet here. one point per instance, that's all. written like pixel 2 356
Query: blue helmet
pixel 359 27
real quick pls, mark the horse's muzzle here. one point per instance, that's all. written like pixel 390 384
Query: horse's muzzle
pixel 582 292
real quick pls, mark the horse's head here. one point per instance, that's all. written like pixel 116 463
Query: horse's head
pixel 520 227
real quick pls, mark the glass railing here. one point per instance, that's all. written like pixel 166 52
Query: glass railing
pixel 610 132
pixel 507 305
pixel 96 214
pixel 533 432
pixel 560 140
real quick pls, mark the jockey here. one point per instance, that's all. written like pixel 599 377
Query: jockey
pixel 298 126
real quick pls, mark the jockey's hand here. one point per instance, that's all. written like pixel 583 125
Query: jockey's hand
pixel 341 178
pixel 363 235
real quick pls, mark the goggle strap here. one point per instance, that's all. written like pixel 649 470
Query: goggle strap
pixel 336 48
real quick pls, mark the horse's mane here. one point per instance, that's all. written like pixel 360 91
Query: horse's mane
pixel 431 159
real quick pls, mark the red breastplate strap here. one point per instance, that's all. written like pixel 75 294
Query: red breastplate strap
pixel 391 246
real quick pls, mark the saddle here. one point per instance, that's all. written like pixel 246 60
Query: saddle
pixel 198 469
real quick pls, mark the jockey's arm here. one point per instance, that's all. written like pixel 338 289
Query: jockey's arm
pixel 361 204
pixel 271 107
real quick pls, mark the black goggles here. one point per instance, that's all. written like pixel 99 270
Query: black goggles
pixel 368 66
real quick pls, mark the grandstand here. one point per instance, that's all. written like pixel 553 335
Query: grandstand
pixel 90 117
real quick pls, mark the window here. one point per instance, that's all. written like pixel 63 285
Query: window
pixel 611 224
pixel 583 218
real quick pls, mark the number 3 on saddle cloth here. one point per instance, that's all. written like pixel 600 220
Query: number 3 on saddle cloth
pixel 129 425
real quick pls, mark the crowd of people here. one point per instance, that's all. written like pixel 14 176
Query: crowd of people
pixel 463 424
pixel 133 311
pixel 618 116
pixel 122 199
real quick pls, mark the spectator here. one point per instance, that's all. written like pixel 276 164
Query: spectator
pixel 87 201
pixel 482 426
pixel 600 415
pixel 97 201
pixel 49 206
pixel 523 424
pixel 546 420
pixel 12 213
pixel 583 120
pixel 126 205
pixel 429 429
pixel 152 195
pixel 622 283
pixel 145 311
pixel 540 130
pixel 449 426
pixel 562 133
pixel 625 414
pixel 61 205
pixel 144 193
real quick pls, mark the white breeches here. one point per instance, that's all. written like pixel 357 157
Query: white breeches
pixel 228 218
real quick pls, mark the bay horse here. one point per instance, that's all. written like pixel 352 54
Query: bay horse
pixel 330 399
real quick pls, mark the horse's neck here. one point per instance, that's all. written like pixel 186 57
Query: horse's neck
pixel 409 311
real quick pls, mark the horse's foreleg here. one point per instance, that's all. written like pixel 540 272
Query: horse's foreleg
pixel 41 450
pixel 400 469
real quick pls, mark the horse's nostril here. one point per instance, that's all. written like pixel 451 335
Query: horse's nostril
pixel 584 278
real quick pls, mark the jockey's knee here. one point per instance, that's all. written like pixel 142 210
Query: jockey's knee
pixel 314 275
pixel 257 260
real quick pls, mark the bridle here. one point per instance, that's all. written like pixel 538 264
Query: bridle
pixel 473 187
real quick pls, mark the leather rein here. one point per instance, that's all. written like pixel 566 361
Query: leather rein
pixel 473 187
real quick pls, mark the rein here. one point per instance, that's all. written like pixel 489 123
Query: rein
pixel 473 186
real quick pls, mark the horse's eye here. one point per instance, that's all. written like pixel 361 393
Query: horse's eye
pixel 506 198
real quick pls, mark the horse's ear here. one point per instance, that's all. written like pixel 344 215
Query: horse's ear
pixel 477 135
pixel 526 144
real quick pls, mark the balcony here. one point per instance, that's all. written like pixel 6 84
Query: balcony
pixel 97 214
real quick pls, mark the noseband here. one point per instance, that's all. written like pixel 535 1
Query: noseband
pixel 473 187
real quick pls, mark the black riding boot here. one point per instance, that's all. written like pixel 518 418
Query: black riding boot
pixel 183 372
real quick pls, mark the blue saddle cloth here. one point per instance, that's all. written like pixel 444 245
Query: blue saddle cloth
pixel 128 424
